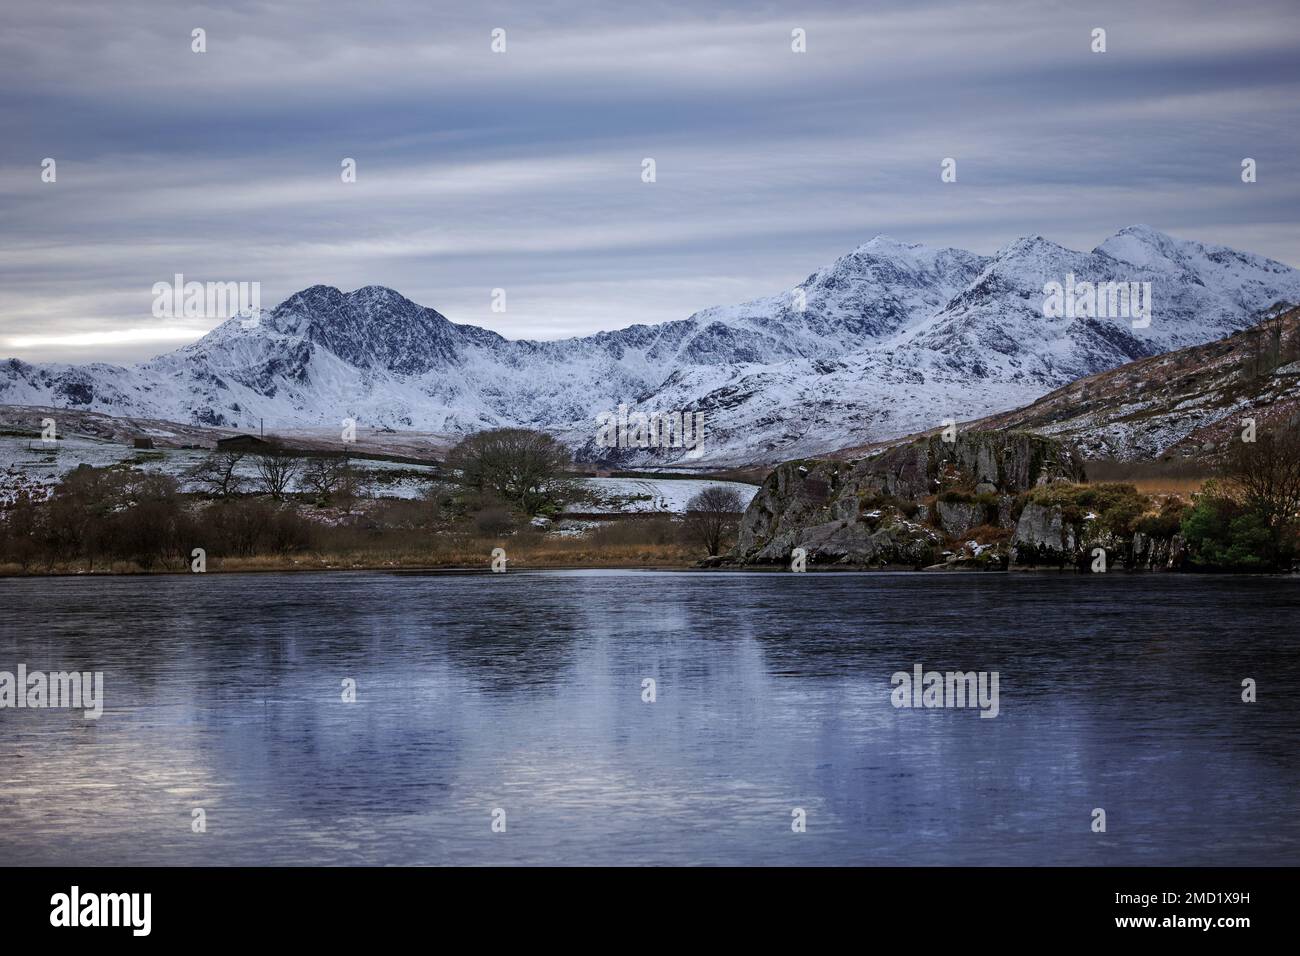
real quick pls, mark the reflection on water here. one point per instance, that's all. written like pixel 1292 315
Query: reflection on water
pixel 523 691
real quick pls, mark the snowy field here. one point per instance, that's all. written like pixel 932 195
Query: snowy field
pixel 662 495
pixel 29 463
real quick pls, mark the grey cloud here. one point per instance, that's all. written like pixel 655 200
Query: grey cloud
pixel 522 170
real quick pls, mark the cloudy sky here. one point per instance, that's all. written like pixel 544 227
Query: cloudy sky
pixel 522 170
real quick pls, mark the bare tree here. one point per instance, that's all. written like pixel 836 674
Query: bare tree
pixel 322 474
pixel 1267 473
pixel 711 515
pixel 335 479
pixel 349 487
pixel 217 473
pixel 525 469
pixel 276 468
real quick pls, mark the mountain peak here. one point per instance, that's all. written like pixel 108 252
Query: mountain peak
pixel 1032 243
pixel 1144 232
pixel 326 299
pixel 311 299
pixel 1141 245
pixel 378 294
pixel 886 252
pixel 883 243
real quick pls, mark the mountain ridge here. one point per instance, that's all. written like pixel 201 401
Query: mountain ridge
pixel 892 337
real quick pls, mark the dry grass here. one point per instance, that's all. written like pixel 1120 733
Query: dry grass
pixel 1174 477
pixel 478 556
pixel 985 534
pixel 464 554
pixel 1183 487
pixel 654 541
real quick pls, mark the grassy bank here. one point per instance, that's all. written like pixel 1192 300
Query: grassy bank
pixel 614 547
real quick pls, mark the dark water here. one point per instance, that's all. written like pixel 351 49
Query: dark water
pixel 524 692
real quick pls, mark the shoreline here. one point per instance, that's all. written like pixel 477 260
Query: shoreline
pixel 439 570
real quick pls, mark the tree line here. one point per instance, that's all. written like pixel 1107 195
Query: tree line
pixel 245 502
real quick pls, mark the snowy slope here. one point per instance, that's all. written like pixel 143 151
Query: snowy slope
pixel 1191 403
pixel 893 337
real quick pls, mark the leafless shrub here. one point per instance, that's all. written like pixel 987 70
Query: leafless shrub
pixel 711 515
pixel 216 473
pixel 1266 473
pixel 276 467
pixel 494 521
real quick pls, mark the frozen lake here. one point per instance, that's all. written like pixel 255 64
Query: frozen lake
pixel 525 693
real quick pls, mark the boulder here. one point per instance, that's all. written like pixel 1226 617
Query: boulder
pixel 1044 537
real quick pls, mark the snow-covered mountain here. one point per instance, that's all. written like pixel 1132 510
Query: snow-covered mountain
pixel 892 338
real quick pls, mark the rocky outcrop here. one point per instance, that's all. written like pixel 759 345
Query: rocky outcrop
pixel 1042 533
pixel 959 517
pixel 898 507
pixel 1153 553
pixel 1064 527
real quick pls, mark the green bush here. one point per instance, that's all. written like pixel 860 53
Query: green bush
pixel 1167 523
pixel 1225 535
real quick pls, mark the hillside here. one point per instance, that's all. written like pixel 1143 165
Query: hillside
pixel 1186 403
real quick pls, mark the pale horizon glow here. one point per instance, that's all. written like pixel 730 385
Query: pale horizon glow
pixel 107 337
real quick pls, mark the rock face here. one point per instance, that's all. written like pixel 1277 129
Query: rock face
pixel 1150 553
pixel 1060 533
pixel 1042 530
pixel 958 517
pixel 873 512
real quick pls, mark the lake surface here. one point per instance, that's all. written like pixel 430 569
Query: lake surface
pixel 523 692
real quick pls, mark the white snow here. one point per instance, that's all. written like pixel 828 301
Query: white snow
pixel 27 463
pixel 666 496
pixel 895 337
